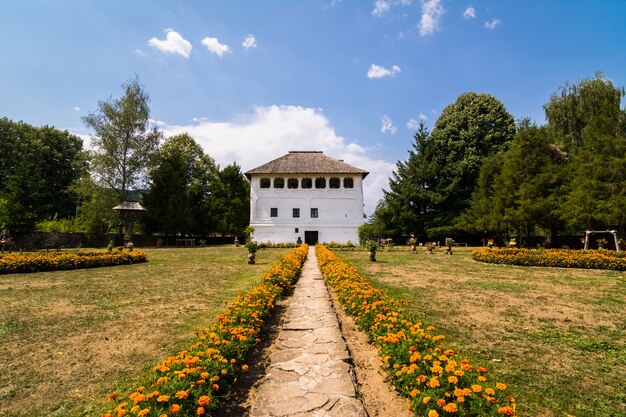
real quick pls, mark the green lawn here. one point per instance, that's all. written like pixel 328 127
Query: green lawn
pixel 556 336
pixel 69 338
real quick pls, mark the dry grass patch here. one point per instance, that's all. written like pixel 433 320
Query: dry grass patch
pixel 556 336
pixel 68 337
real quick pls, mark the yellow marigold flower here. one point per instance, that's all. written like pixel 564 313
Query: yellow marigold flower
pixel 450 408
pixel 204 400
pixel 453 379
pixel 458 372
pixel 477 388
pixel 426 400
pixel 134 409
pixel 181 395
pixel 433 413
pixel 482 378
pixel 500 386
pixel 163 399
pixel 434 382
pixel 415 392
pixel 507 411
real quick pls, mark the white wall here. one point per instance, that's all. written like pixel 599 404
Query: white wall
pixel 340 211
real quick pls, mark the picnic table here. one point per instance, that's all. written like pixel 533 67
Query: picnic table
pixel 185 243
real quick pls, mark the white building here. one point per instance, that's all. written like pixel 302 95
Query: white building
pixel 307 196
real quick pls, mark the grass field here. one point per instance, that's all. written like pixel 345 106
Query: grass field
pixel 556 336
pixel 67 338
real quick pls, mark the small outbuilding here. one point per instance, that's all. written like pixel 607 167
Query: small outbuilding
pixel 306 196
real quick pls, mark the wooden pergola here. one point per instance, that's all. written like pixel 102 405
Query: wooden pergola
pixel 590 233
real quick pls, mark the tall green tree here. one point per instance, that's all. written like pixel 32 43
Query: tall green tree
pixel 123 139
pixel 37 167
pixel 408 204
pixel 229 201
pixel 469 130
pixel 179 182
pixel 574 106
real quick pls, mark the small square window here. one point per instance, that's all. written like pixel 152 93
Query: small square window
pixel 296 213
pixel 297 230
pixel 314 213
pixel 265 183
pixel 274 212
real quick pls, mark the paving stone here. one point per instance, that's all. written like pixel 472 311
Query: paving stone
pixel 310 371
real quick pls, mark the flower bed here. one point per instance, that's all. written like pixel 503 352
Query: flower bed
pixel 14 263
pixel 418 364
pixel 194 381
pixel 565 258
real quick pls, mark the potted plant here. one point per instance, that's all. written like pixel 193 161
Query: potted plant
pixel 449 244
pixel 413 243
pixel 252 247
pixel 371 248
pixel 430 247
pixel 601 242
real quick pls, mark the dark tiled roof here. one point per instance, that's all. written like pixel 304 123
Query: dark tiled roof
pixel 130 205
pixel 306 162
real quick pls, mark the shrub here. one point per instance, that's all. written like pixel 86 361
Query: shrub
pixel 54 261
pixel 418 364
pixel 195 381
pixel 565 258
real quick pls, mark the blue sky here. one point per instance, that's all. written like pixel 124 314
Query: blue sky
pixel 251 80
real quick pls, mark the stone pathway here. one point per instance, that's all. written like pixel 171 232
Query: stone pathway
pixel 310 373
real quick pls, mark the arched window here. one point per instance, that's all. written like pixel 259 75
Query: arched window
pixel 307 183
pixel 265 183
pixel 320 182
pixel 292 183
pixel 279 182
pixel 334 182
pixel 348 182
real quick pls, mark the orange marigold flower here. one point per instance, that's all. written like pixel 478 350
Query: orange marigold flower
pixel 174 408
pixel 450 408
pixel 200 411
pixel 143 412
pixel 481 369
pixel 500 386
pixel 434 382
pixel 426 400
pixel 507 411
pixel 490 391
pixel 181 395
pixel 433 413
pixel 113 396
pixel 224 372
pixel 245 367
pixel 204 400
pixel 461 399
pixel 134 409
pixel 415 392
pixel 477 388
pixel 441 402
pixel 453 379
pixel 482 378
pixel 163 398
pixel 215 387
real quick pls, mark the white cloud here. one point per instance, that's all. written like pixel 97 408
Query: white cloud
pixel 173 44
pixel 414 124
pixel 376 71
pixel 387 125
pixel 380 7
pixel 431 12
pixel 272 131
pixel 469 13
pixel 249 42
pixel 76 108
pixel 214 46
pixel 491 24
pixel 140 52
